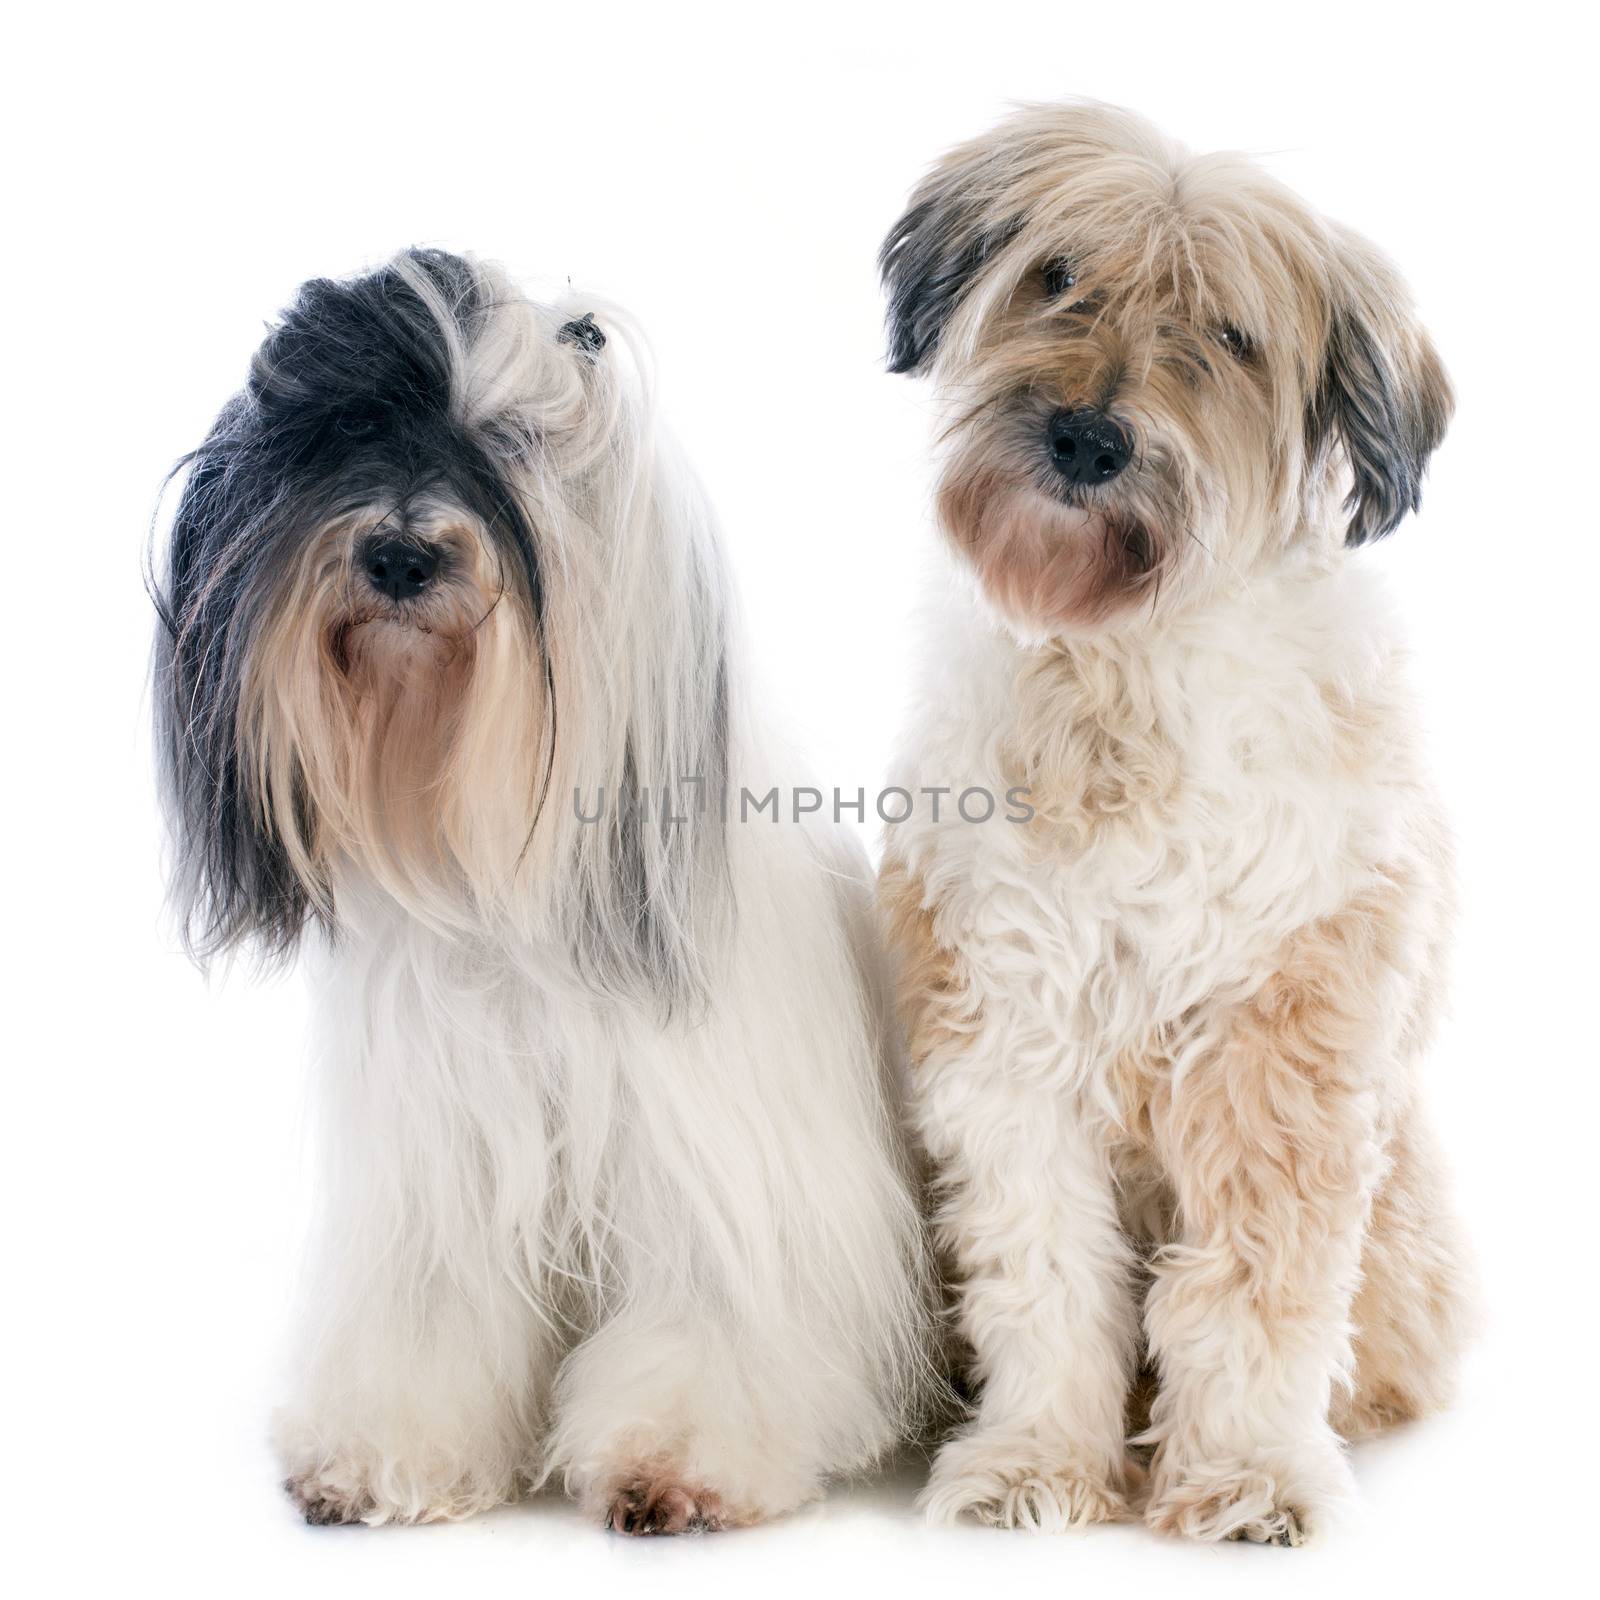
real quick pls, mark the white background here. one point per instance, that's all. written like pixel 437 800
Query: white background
pixel 174 174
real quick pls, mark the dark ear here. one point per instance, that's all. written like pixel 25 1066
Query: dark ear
pixel 930 258
pixel 232 883
pixel 1383 394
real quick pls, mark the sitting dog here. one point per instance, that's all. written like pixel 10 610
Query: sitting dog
pixel 449 692
pixel 1165 1034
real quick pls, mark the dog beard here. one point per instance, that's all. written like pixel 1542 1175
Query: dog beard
pixel 409 685
pixel 404 740
pixel 1044 563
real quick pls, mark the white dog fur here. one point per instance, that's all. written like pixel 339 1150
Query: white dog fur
pixel 612 1191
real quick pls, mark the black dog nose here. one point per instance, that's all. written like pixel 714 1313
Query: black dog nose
pixel 399 568
pixel 1088 447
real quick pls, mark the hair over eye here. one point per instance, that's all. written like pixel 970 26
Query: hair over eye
pixel 1060 275
pixel 1236 342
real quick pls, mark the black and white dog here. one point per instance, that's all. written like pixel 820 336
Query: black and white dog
pixel 613 1190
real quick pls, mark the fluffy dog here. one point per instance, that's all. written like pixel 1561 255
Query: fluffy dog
pixel 1165 1035
pixel 449 691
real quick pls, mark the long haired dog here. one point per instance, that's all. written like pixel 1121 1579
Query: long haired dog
pixel 1165 1035
pixel 449 691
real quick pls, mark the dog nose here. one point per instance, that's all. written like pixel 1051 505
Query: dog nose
pixel 1088 447
pixel 399 568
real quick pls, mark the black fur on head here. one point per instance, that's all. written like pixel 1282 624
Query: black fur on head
pixel 929 260
pixel 349 403
pixel 1383 396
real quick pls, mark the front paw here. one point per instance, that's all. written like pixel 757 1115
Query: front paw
pixel 660 1502
pixel 1011 1482
pixel 1276 1497
pixel 361 1483
pixel 329 1497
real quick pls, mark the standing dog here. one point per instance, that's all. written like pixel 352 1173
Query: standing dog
pixel 1165 1036
pixel 448 688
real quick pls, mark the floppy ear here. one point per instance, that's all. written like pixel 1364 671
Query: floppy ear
pixel 931 256
pixel 648 890
pixel 1383 394
pixel 232 879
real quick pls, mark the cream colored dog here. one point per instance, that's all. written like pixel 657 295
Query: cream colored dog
pixel 1166 1034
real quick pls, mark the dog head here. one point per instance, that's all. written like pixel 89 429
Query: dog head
pixel 432 565
pixel 1161 370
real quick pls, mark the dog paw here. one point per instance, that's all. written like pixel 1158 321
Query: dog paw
pixel 325 1504
pixel 1020 1484
pixel 1253 1502
pixel 356 1488
pixel 660 1503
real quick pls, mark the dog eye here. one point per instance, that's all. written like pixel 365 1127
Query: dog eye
pixel 1059 276
pixel 585 333
pixel 356 424
pixel 1236 343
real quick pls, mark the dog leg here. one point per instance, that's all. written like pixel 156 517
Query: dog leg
pixel 672 1424
pixel 420 1359
pixel 1271 1141
pixel 410 1413
pixel 1416 1307
pixel 1028 1229
pixel 763 1309
pixel 1030 1232
pixel 726 1391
